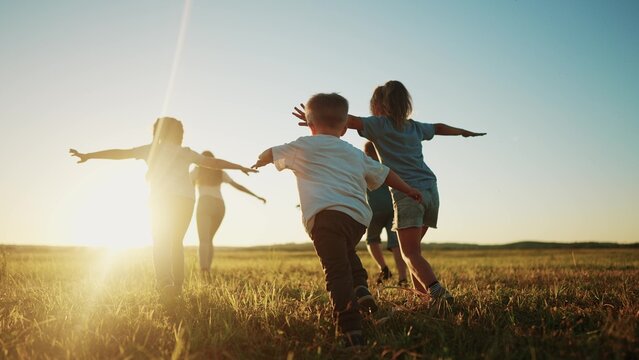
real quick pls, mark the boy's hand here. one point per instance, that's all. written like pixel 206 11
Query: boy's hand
pixel 248 170
pixel 467 133
pixel 259 163
pixel 81 157
pixel 300 114
pixel 415 195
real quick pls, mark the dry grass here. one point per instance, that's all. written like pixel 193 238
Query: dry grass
pixel 271 304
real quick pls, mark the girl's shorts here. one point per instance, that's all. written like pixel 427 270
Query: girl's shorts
pixel 409 213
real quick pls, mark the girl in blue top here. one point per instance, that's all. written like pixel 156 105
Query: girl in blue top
pixel 398 140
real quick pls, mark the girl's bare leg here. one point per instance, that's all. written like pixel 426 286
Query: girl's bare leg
pixel 421 271
pixel 376 252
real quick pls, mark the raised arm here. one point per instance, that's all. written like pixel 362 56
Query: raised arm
pixel 112 154
pixel 241 188
pixel 265 158
pixel 393 180
pixel 214 163
pixel 443 129
pixel 354 122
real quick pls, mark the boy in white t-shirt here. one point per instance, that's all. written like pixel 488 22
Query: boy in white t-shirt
pixel 332 177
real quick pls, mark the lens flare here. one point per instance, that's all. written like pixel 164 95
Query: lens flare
pixel 177 55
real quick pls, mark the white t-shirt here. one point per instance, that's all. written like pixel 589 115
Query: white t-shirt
pixel 331 175
pixel 168 172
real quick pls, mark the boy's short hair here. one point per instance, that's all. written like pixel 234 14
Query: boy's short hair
pixel 327 109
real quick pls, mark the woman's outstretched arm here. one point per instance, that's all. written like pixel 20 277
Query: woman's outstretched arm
pixel 443 129
pixel 354 122
pixel 241 188
pixel 112 154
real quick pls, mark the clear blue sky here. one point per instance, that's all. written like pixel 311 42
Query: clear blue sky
pixel 554 83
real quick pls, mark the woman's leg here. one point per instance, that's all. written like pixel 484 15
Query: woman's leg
pixel 410 244
pixel 216 221
pixel 204 224
pixel 209 218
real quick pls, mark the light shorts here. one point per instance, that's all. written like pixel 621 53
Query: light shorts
pixel 379 222
pixel 409 213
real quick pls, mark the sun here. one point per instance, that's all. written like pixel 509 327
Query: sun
pixel 108 208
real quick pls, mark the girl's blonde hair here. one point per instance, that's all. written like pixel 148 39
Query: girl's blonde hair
pixel 376 100
pixel 397 103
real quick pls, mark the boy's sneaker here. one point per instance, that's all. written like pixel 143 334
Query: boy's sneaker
pixel 384 274
pixel 365 300
pixel 402 283
pixel 354 340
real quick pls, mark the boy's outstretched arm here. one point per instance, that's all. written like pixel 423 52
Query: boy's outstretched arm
pixel 393 180
pixel 443 129
pixel 265 158
pixel 354 122
pixel 214 163
pixel 112 154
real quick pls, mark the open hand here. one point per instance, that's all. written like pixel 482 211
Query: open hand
pixel 415 195
pixel 300 114
pixel 81 157
pixel 467 133
pixel 248 170
pixel 258 164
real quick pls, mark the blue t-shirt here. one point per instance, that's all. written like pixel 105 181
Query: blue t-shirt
pixel 401 150
pixel 380 200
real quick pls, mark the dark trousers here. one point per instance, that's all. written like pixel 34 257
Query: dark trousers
pixel 335 235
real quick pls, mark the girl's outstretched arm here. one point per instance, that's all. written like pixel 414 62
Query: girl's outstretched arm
pixel 214 163
pixel 354 122
pixel 265 158
pixel 112 154
pixel 443 129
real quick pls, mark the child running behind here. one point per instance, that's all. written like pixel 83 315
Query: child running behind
pixel 332 177
pixel 171 198
pixel 382 206
pixel 398 140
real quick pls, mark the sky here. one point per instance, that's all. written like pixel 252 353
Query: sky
pixel 555 84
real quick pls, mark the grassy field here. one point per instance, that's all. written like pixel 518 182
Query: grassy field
pixel 521 304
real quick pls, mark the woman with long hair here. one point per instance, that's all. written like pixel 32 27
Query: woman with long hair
pixel 171 197
pixel 210 208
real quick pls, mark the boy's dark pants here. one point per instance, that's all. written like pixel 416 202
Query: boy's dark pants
pixel 335 235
